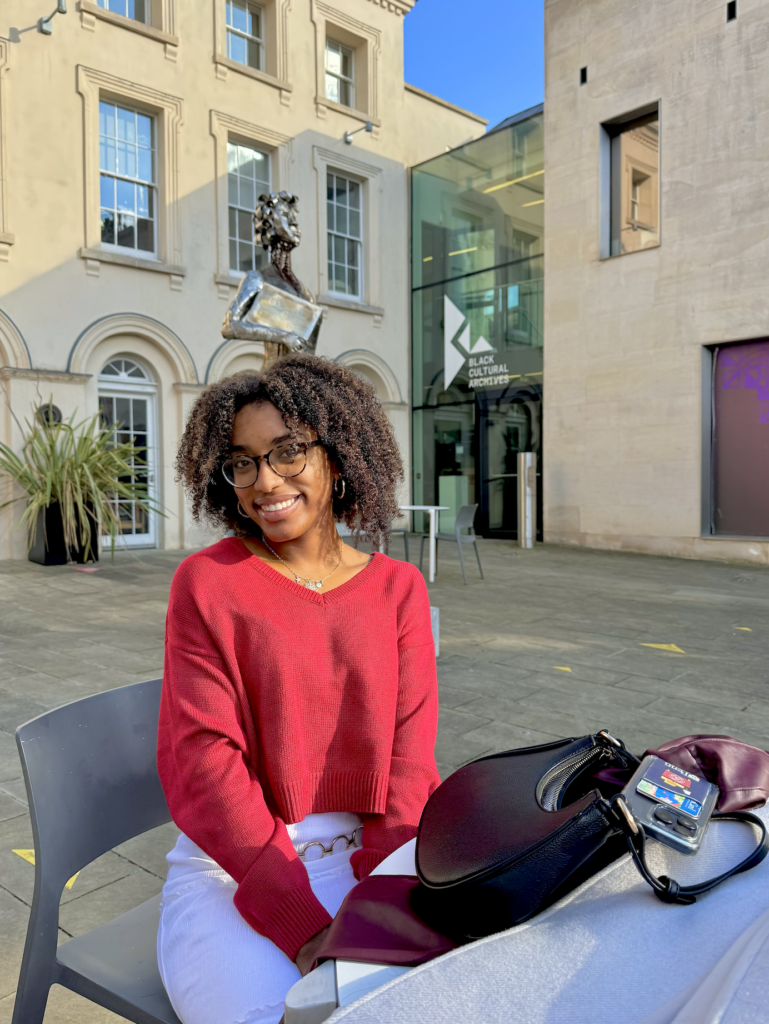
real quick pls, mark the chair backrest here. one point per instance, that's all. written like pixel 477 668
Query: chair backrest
pixel 466 517
pixel 91 775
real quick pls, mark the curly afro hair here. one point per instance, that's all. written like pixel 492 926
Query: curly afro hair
pixel 339 405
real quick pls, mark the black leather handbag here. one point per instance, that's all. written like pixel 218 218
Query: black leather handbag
pixel 506 836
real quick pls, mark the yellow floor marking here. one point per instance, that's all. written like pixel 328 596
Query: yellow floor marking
pixel 562 668
pixel 29 857
pixel 665 647
pixel 744 629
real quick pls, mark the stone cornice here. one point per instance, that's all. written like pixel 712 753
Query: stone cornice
pixel 54 376
pixel 400 7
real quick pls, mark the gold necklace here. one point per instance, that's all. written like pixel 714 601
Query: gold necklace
pixel 308 583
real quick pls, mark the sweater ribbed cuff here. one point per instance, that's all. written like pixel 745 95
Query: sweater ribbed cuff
pixel 364 861
pixel 298 917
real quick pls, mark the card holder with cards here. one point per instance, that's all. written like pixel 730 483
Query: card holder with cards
pixel 664 802
pixel 672 805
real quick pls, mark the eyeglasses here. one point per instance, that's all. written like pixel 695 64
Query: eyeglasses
pixel 286 460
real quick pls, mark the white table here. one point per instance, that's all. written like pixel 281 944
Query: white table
pixel 432 511
pixel 340 982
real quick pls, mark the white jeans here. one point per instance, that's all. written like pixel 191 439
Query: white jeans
pixel 216 969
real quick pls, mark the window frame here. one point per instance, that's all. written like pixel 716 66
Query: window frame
pixel 366 42
pixel 161 25
pixel 231 31
pixel 233 141
pixel 275 52
pixel 6 238
pixel 136 181
pixel 346 236
pixel 225 128
pixel 341 79
pixel 148 5
pixel 147 388
pixel 611 211
pixel 373 259
pixel 168 110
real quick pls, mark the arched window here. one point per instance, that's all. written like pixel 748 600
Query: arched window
pixel 125 369
pixel 127 403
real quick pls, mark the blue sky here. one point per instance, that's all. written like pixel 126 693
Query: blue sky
pixel 485 55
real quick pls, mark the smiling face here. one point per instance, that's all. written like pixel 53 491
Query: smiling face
pixel 284 509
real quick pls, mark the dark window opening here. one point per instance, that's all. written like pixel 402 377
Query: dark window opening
pixel 583 76
pixel 740 440
pixel 731 10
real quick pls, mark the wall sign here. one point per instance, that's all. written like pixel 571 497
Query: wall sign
pixel 483 369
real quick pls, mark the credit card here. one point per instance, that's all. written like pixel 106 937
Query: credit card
pixel 665 796
pixel 658 793
pixel 691 807
pixel 676 780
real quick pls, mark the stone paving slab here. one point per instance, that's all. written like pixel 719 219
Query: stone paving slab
pixel 549 644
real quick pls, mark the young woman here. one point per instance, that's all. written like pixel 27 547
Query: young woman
pixel 299 705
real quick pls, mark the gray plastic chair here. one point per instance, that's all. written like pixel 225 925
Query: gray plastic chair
pixel 465 520
pixel 405 540
pixel 92 784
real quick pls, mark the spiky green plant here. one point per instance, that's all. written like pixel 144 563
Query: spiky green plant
pixel 82 468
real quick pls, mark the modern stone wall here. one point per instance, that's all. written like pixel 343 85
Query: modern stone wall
pixel 624 337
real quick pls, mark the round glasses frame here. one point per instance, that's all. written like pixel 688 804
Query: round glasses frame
pixel 303 446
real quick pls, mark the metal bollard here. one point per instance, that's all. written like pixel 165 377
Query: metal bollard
pixel 527 499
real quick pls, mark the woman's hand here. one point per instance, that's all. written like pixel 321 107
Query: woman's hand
pixel 308 952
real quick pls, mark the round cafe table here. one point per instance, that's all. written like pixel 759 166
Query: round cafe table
pixel 608 952
pixel 432 511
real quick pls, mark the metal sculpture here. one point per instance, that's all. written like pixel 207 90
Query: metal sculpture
pixel 272 305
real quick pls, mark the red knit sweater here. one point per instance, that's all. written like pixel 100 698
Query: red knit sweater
pixel 278 702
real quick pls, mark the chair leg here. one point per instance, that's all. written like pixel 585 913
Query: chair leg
pixel 461 560
pixel 37 973
pixel 480 570
pixel 421 552
pixel 406 545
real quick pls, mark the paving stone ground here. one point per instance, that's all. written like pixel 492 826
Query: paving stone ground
pixel 554 642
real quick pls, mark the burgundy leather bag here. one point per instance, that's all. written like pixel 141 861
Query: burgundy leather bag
pixel 740 771
pixel 378 925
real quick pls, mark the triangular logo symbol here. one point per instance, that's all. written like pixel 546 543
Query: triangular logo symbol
pixel 456 341
pixel 456 332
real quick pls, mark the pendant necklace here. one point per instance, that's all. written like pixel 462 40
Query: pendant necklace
pixel 304 581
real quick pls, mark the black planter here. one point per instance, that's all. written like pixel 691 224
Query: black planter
pixel 49 548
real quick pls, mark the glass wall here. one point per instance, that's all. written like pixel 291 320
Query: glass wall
pixel 477 283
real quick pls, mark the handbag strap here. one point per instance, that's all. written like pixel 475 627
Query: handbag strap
pixel 668 889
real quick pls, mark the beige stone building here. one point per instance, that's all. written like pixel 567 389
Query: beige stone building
pixel 656 417
pixel 134 141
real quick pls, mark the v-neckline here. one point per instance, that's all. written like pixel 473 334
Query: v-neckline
pixel 299 589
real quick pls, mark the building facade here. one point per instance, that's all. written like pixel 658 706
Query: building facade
pixel 656 239
pixel 477 304
pixel 135 139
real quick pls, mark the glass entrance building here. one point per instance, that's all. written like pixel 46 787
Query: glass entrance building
pixel 477 287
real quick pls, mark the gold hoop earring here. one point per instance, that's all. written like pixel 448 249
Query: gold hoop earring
pixel 245 515
pixel 339 493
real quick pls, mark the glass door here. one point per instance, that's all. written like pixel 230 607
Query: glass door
pixel 510 422
pixel 131 414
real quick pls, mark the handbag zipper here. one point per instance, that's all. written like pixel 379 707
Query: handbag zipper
pixel 554 782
